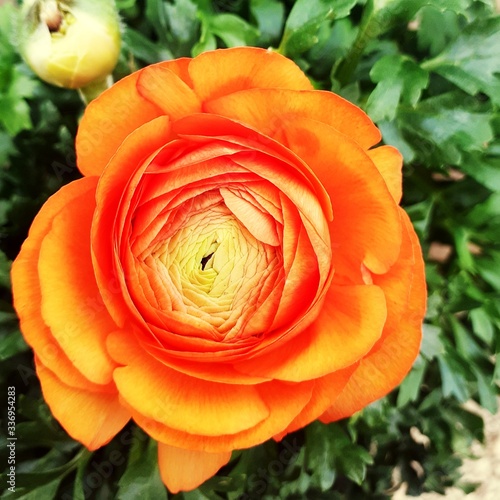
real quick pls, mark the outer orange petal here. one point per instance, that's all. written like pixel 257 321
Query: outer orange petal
pixel 113 116
pixel 180 401
pixel 184 470
pixel 162 87
pixel 326 390
pixel 93 418
pixel 72 306
pixel 389 162
pixel 269 110
pixel 26 286
pixel 284 401
pixel 224 72
pixel 350 322
pixel 391 359
pixel 366 226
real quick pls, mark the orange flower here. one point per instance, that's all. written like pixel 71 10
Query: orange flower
pixel 233 265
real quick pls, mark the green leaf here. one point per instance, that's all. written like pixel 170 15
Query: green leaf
pixel 233 30
pixel 5 264
pixel 157 16
pixel 270 16
pixel 398 79
pixel 482 325
pixel 484 170
pixel 46 491
pixel 472 61
pixel 143 48
pixel 182 20
pixel 410 387
pixel 11 344
pixel 329 450
pixel 451 128
pixel 142 478
pixel 392 135
pixel 7 149
pixel 487 391
pixel 305 19
pixel 79 487
pixel 321 443
pixel 437 29
pixel 14 114
pixel 432 345
pixel 453 381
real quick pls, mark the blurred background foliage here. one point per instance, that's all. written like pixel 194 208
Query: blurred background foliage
pixel 428 73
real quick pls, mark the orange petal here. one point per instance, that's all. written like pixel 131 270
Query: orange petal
pixel 113 116
pixel 350 322
pixel 108 120
pixel 26 285
pixel 270 110
pixel 93 418
pixel 72 306
pixel 366 227
pixel 180 401
pixel 326 390
pixel 162 87
pixel 284 401
pixel 129 158
pixel 224 72
pixel 391 359
pixel 223 129
pixel 184 470
pixel 389 162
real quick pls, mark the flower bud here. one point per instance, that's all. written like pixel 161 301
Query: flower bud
pixel 70 43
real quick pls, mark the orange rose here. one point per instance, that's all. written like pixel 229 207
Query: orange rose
pixel 233 265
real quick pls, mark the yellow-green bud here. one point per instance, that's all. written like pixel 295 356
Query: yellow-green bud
pixel 70 43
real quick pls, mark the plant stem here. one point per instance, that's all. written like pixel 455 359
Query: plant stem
pixel 368 29
pixel 95 89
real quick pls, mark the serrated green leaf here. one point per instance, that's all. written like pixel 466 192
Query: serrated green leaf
pixel 453 381
pixel 472 61
pixel 304 21
pixel 321 442
pixel 431 341
pixel 448 127
pixel 398 79
pixel 354 463
pixel 437 28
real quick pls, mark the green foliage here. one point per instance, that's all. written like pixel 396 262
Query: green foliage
pixel 427 72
